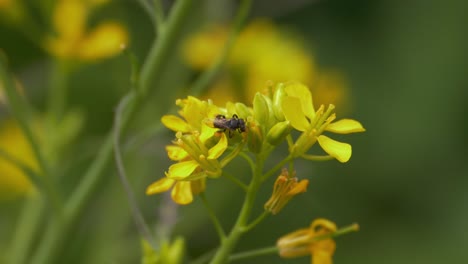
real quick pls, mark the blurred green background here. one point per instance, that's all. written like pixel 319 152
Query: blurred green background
pixel 406 184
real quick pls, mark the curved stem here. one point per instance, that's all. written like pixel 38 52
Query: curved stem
pixel 56 231
pixel 214 218
pixel 207 76
pixel 136 213
pixel 258 220
pixel 249 160
pixel 254 253
pixel 236 181
pixel 228 244
pixel 276 168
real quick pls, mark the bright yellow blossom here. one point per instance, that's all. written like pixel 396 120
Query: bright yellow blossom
pixel 73 41
pixel 196 149
pixel 309 241
pixel 299 110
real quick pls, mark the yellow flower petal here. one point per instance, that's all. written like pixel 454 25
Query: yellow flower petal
pixel 219 148
pixel 175 123
pixel 299 187
pixel 70 19
pixel 176 152
pixel 103 42
pixel 182 170
pixel 160 186
pixel 300 91
pixel 338 150
pixel 345 126
pixel 293 113
pixel 182 193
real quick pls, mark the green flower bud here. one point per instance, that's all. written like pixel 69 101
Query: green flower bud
pixel 260 108
pixel 278 96
pixel 278 133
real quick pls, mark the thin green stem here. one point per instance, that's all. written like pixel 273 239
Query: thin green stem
pixel 146 6
pixel 57 231
pixel 27 230
pixel 228 244
pixel 57 92
pixel 236 181
pixel 274 249
pixel 214 218
pixel 207 76
pixel 160 51
pixel 204 258
pixel 249 161
pixel 317 157
pixel 257 221
pixel 22 111
pixel 277 167
pixel 159 16
pixel 136 212
pixel 254 253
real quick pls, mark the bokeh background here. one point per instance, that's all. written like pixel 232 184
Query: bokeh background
pixel 405 65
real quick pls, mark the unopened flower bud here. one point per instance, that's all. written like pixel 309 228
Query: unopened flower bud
pixel 278 133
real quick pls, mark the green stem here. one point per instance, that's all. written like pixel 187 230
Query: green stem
pixel 254 253
pixel 57 231
pixel 276 168
pixel 57 92
pixel 27 230
pixel 228 244
pixel 258 220
pixel 207 76
pixel 22 112
pixel 317 157
pixel 236 181
pixel 214 218
pixel 249 160
pixel 159 16
pixel 146 6
pixel 136 213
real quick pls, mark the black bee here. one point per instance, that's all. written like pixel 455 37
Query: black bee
pixel 232 124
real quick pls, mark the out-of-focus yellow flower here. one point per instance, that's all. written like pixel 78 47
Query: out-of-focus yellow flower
pixel 262 53
pixel 299 110
pixel 12 11
pixel 13 182
pixel 285 188
pixel 309 241
pixel 73 41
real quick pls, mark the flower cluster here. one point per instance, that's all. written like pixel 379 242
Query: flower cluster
pixel 197 149
pixel 200 146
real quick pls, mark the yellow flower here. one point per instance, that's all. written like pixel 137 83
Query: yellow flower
pixel 12 140
pixel 202 161
pixel 299 110
pixel 310 241
pixel 261 53
pixel 72 41
pixel 194 114
pixel 182 191
pixel 285 188
pixel 196 149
